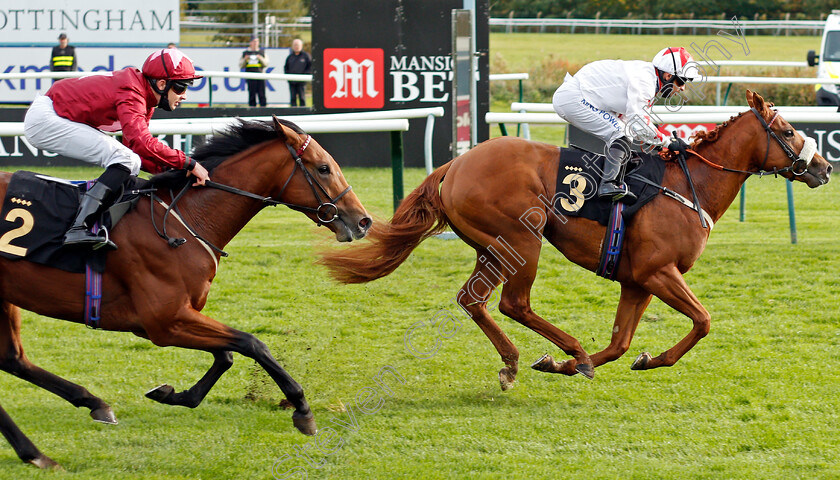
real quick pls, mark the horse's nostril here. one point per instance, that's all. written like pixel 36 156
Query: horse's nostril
pixel 828 169
pixel 365 223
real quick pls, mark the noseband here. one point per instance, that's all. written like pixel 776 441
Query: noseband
pixel 325 212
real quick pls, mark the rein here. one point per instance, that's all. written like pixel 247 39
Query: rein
pixel 325 212
pixel 799 163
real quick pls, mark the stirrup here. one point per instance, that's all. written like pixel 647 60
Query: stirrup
pixel 83 237
pixel 107 244
pixel 618 192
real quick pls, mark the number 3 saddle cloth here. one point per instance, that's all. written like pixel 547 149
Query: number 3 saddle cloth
pixel 579 173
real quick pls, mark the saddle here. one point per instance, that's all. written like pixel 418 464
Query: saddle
pixel 38 210
pixel 578 176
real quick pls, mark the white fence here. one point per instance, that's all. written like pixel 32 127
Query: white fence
pixel 525 114
pixel 638 25
pixel 374 121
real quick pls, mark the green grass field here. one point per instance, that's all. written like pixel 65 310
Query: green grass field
pixel 757 398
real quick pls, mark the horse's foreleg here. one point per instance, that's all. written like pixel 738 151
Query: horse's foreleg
pixel 632 304
pixel 473 298
pixel 222 361
pixel 197 331
pixel 669 285
pixel 25 449
pixel 14 361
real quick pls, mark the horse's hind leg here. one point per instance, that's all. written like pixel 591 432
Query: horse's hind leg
pixel 193 330
pixel 14 361
pixel 521 260
pixel 25 449
pixel 473 298
pixel 222 361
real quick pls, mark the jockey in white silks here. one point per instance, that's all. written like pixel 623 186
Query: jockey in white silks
pixel 611 100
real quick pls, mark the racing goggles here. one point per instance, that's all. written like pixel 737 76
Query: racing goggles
pixel 180 86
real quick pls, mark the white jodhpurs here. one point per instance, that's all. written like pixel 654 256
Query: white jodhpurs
pixel 46 130
pixel 569 103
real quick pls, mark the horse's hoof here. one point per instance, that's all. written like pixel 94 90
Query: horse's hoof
pixel 161 393
pixel 46 463
pixel 506 379
pixel 305 423
pixel 641 362
pixel 104 415
pixel 543 364
pixel 585 369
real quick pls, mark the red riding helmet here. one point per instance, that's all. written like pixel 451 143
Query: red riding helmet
pixel 169 64
pixel 677 61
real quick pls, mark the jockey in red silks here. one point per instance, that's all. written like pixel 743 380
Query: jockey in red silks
pixel 609 99
pixel 71 117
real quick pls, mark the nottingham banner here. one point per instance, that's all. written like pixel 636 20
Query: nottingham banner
pixel 89 22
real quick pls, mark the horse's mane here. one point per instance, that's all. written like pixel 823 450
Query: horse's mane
pixel 712 135
pixel 700 137
pixel 236 138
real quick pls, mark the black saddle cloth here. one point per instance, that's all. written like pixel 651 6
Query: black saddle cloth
pixel 579 173
pixel 37 211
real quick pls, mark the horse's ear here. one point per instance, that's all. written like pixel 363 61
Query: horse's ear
pixel 755 101
pixel 283 132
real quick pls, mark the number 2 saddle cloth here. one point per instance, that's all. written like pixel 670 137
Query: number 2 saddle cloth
pixel 37 211
pixel 579 173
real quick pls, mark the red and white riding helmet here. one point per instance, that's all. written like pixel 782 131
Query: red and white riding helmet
pixel 677 61
pixel 169 64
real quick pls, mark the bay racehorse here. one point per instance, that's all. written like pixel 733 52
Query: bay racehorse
pixel 156 291
pixel 484 194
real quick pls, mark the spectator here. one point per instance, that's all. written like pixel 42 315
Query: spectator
pixel 171 45
pixel 255 60
pixel 63 56
pixel 298 62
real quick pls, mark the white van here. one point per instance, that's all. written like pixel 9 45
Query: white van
pixel 828 60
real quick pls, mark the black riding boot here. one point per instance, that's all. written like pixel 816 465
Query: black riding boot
pixel 612 185
pixel 96 199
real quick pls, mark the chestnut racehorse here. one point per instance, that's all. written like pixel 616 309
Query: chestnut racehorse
pixel 155 291
pixel 484 194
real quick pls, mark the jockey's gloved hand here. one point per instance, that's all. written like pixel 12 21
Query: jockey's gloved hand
pixel 658 143
pixel 678 145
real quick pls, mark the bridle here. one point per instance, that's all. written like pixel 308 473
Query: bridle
pixel 325 212
pixel 799 163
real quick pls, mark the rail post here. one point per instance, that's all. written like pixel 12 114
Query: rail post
pixel 397 163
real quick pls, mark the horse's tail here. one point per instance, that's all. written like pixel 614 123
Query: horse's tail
pixel 419 216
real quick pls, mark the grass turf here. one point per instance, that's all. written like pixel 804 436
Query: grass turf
pixel 756 399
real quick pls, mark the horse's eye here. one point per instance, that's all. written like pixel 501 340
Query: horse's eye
pixel 324 169
pixel 789 133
